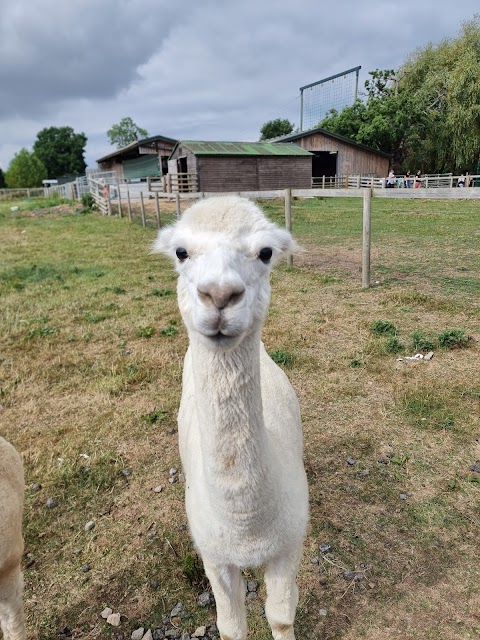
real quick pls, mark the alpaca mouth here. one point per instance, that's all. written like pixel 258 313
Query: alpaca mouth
pixel 221 339
pixel 220 336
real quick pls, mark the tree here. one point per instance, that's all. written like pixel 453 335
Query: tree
pixel 427 113
pixel 61 150
pixel 25 170
pixel 276 128
pixel 125 132
pixel 382 83
pixel 2 179
pixel 445 83
pixel 388 123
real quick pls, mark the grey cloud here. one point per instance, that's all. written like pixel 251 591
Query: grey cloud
pixel 52 51
pixel 212 69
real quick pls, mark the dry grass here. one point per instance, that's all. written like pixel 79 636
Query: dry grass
pixel 77 377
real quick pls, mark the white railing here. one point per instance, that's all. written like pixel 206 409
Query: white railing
pixel 100 191
pixel 429 181
pixel 94 182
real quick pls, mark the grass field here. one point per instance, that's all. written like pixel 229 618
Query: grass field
pixel 91 359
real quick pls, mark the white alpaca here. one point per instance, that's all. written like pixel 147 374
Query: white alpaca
pixel 11 542
pixel 239 421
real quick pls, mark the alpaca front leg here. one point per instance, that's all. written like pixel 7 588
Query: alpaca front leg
pixel 11 607
pixel 228 587
pixel 282 595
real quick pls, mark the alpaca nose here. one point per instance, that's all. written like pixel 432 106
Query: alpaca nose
pixel 221 295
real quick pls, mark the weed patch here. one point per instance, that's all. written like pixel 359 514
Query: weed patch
pixel 42 332
pixel 170 330
pixel 453 339
pixel 383 327
pixel 281 357
pixel 421 343
pixel 145 332
pixel 154 416
pixel 393 345
pixel 162 293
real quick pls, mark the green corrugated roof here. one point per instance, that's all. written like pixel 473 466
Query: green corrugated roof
pixel 203 148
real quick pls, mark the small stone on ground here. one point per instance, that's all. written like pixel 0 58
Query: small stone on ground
pixel 204 599
pixel 177 609
pixel 114 619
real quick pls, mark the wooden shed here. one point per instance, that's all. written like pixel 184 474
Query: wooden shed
pixel 140 159
pixel 337 155
pixel 238 166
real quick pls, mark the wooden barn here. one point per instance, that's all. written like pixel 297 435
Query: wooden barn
pixel 336 155
pixel 140 159
pixel 238 166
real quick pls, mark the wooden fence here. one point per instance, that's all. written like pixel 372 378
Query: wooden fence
pixel 15 194
pixel 438 186
pixel 174 183
pixel 434 181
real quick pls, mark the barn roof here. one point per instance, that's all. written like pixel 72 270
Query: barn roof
pixel 208 148
pixel 146 142
pixel 292 137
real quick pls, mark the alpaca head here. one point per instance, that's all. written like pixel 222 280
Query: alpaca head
pixel 223 249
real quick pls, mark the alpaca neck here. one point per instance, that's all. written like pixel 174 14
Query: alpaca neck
pixel 234 445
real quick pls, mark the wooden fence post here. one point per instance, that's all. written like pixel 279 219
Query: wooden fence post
pixel 129 206
pixel 367 216
pixel 288 220
pixel 109 202
pixel 157 210
pixel 120 213
pixel 323 182
pixel 142 208
pixel 177 205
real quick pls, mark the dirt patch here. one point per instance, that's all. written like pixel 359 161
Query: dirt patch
pixel 344 262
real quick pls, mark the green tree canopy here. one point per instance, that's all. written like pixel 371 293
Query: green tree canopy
pixel 427 113
pixel 2 179
pixel 25 170
pixel 276 128
pixel 444 80
pixel 61 150
pixel 390 124
pixel 125 132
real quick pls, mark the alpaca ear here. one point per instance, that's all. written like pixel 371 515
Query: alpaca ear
pixel 163 241
pixel 284 243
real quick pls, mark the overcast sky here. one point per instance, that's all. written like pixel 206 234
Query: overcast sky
pixel 195 69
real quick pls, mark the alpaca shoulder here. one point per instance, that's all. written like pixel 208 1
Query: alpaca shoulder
pixel 11 503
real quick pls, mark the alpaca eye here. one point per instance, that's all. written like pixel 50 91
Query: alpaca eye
pixel 182 254
pixel 265 254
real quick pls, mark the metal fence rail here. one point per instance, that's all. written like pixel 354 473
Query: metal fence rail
pixel 430 181
pixel 185 185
